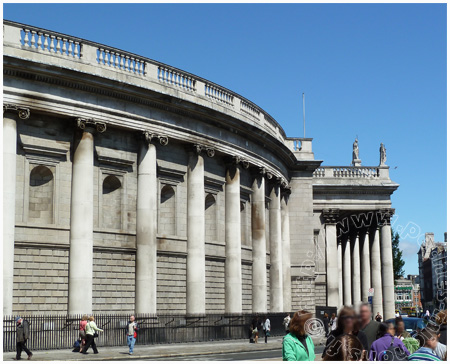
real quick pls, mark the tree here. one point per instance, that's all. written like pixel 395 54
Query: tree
pixel 397 256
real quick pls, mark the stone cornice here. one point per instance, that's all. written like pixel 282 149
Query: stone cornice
pixel 160 102
pixel 379 189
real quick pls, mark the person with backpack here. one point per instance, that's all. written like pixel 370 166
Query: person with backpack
pixel 131 330
pixel 91 333
pixel 388 347
pixel 22 335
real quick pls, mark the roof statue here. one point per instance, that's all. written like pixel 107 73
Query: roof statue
pixel 382 155
pixel 356 161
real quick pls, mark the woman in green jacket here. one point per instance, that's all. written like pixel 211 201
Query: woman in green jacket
pixel 298 345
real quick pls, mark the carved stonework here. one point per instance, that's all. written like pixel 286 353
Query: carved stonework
pixel 384 216
pixel 330 216
pixel 199 148
pixel 286 190
pixel 23 112
pixel 235 160
pixel 149 136
pixel 84 123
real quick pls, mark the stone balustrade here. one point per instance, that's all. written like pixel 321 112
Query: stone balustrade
pixel 176 78
pixel 45 41
pixel 218 94
pixel 349 172
pixel 120 60
pixel 99 55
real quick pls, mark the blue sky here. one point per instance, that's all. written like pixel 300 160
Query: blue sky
pixel 373 70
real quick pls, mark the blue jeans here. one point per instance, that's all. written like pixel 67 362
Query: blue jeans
pixel 130 342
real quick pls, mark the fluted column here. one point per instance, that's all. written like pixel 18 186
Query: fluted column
pixel 333 287
pixel 339 259
pixel 376 273
pixel 347 273
pixel 276 275
pixel 365 265
pixel 146 225
pixel 233 268
pixel 81 253
pixel 195 263
pixel 11 113
pixel 259 275
pixel 356 270
pixel 286 250
pixel 387 270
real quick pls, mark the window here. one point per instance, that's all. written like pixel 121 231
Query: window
pixel 166 222
pixel 210 218
pixel 111 202
pixel 40 205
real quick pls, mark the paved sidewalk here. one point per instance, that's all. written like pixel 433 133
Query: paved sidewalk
pixel 156 351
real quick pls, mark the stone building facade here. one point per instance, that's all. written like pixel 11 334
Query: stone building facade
pixel 133 186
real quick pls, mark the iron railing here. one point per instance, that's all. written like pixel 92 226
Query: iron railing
pixel 49 332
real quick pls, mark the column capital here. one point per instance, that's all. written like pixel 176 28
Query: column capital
pixel 236 160
pixel 384 216
pixel 84 123
pixel 23 112
pixel 330 215
pixel 199 148
pixel 149 136
pixel 286 190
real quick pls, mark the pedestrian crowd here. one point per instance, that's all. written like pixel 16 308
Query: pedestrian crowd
pixel 349 336
pixel 358 337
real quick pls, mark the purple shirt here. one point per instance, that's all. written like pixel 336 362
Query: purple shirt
pixel 384 342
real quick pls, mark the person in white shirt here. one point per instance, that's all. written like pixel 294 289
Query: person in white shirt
pixel 266 328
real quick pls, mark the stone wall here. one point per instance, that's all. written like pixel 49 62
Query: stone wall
pixel 215 285
pixel 303 293
pixel 113 282
pixel 246 287
pixel 40 280
pixel 171 283
pixel 320 295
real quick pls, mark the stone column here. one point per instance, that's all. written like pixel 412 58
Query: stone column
pixel 195 263
pixel 333 286
pixel 10 115
pixel 81 254
pixel 387 265
pixel 146 225
pixel 356 270
pixel 376 273
pixel 233 268
pixel 365 265
pixel 347 273
pixel 259 275
pixel 276 274
pixel 339 259
pixel 286 250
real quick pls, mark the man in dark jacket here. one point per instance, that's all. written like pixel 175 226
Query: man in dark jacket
pixel 22 335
